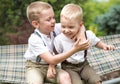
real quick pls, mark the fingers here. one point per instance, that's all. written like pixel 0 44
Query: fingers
pixel 51 73
pixel 82 45
pixel 112 48
pixel 78 41
pixel 85 45
pixel 54 72
pixel 109 47
pixel 85 42
pixel 80 34
pixel 74 38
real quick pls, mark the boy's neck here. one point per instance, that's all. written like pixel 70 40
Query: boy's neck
pixel 46 33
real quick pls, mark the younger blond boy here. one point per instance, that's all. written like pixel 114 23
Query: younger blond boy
pixel 77 65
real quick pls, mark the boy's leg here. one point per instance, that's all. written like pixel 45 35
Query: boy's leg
pixel 75 77
pixel 64 77
pixel 90 75
pixel 34 76
pixel 72 70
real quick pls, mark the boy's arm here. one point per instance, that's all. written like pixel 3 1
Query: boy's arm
pixel 80 34
pixel 104 46
pixel 78 46
pixel 51 71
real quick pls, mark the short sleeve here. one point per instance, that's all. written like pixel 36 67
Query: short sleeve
pixel 36 45
pixel 92 37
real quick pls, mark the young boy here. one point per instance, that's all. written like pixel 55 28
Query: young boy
pixel 40 46
pixel 77 65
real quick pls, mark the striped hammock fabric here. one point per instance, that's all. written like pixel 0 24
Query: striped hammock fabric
pixel 12 61
pixel 105 62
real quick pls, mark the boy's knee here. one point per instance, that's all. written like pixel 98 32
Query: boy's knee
pixel 64 78
pixel 64 75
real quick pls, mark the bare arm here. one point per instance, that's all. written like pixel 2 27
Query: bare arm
pixel 78 46
pixel 104 46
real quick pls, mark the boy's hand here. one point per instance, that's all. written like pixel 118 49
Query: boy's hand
pixel 80 34
pixel 51 71
pixel 108 47
pixel 104 46
pixel 84 45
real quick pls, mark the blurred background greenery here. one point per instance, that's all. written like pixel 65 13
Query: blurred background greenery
pixel 100 16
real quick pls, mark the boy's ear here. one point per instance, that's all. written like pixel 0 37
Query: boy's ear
pixel 81 23
pixel 35 24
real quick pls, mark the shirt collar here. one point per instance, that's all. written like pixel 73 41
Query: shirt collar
pixel 43 35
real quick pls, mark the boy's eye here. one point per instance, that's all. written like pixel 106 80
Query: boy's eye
pixel 71 27
pixel 62 26
pixel 50 18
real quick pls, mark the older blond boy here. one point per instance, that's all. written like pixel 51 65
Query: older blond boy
pixel 40 51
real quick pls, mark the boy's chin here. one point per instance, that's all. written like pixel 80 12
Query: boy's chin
pixel 52 30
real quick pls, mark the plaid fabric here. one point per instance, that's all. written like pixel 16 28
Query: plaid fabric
pixel 12 63
pixel 105 62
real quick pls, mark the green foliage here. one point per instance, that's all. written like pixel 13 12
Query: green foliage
pixel 12 17
pixel 95 9
pixel 95 29
pixel 3 40
pixel 58 5
pixel 15 28
pixel 109 21
pixel 91 10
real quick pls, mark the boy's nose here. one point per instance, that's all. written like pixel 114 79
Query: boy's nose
pixel 66 30
pixel 53 20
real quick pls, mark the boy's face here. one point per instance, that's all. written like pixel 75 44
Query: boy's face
pixel 69 27
pixel 47 21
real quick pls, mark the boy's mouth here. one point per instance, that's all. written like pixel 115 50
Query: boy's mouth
pixel 53 25
pixel 70 35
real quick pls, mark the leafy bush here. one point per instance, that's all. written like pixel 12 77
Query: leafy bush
pixel 110 21
pixel 14 27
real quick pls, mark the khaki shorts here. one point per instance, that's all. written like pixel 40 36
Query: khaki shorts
pixel 36 73
pixel 82 72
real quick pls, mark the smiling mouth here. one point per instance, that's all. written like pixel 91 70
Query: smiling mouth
pixel 69 35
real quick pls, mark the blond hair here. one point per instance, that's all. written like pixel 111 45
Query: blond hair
pixel 72 11
pixel 35 9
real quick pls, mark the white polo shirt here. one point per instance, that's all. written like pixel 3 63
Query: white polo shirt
pixel 63 44
pixel 40 43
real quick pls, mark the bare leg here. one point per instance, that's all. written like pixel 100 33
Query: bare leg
pixel 64 78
